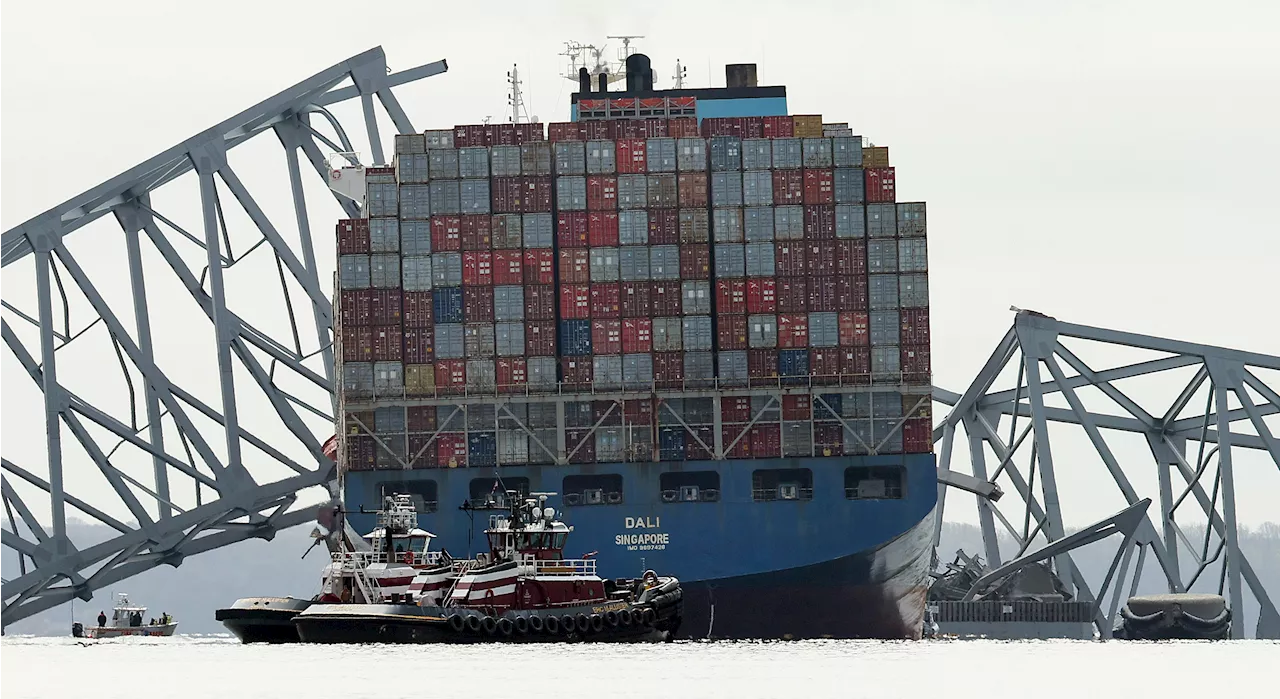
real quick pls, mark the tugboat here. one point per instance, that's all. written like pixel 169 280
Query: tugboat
pixel 522 590
pixel 126 619
pixel 364 569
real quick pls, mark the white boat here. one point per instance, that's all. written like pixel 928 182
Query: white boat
pixel 127 619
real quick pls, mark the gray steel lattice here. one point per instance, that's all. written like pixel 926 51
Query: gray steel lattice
pixel 1182 442
pixel 230 503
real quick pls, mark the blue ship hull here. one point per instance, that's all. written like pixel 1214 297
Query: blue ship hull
pixel 826 567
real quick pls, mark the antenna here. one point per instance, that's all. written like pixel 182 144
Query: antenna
pixel 515 100
pixel 626 49
pixel 681 74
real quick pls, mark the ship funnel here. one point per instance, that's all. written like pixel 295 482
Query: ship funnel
pixel 604 82
pixel 584 81
pixel 639 73
pixel 740 75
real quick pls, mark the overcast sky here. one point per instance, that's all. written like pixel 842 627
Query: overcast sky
pixel 1108 163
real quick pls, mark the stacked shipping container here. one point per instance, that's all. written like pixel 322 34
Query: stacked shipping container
pixel 634 255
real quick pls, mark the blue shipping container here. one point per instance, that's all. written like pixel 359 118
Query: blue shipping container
pixel 482 449
pixel 448 304
pixel 575 338
pixel 671 444
pixel 793 362
pixel 834 401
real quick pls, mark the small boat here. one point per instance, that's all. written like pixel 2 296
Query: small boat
pixel 127 619
pixel 523 590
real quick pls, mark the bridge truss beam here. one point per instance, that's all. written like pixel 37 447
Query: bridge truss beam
pixel 1182 443
pixel 237 481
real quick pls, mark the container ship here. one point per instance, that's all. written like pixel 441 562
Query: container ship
pixel 700 320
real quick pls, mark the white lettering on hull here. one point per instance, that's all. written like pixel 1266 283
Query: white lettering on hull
pixel 656 541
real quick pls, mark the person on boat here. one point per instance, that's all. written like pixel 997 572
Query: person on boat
pixel 152 622
pixel 102 619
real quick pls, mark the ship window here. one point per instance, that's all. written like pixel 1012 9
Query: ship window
pixel 424 494
pixel 874 482
pixel 689 486
pixel 559 540
pixel 782 484
pixel 593 489
pixel 489 493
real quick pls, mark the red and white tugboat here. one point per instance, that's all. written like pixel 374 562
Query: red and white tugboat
pixel 523 590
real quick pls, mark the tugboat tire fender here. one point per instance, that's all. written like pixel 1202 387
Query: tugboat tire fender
pixel 456 622
pixel 521 624
pixel 583 623
pixel 473 623
pixel 625 617
pixel 506 626
pixel 647 617
pixel 611 618
pixel 552 625
pixel 490 625
pixel 597 623
pixel 566 624
pixel 536 623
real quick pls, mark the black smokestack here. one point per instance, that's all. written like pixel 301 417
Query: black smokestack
pixel 584 81
pixel 604 82
pixel 639 73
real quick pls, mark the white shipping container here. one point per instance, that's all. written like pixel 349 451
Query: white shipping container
pixel 757 224
pixel 787 154
pixel 788 223
pixel 416 272
pixel 384 271
pixel 601 159
pixel 731 260
pixel 851 221
pixel 474 162
pixel 762 331
pixel 882 256
pixel 664 262
pixel 633 191
pixel 667 334
pixel 660 154
pixel 726 225
pixel 505 161
pixel 474 196
pixel 571 193
pixel 539 230
pixel 384 235
pixel 913 290
pixel 882 220
pixel 353 271
pixel 691 154
pixel 570 157
pixel 726 188
pixel 633 262
pixel 443 163
pixel 884 327
pixel 757 154
pixel 913 255
pixel 757 188
pixel 415 238
pixel 439 138
pixel 604 265
pixel 817 152
pixel 445 196
pixel 760 260
pixel 697 333
pixel 633 226
pixel 695 297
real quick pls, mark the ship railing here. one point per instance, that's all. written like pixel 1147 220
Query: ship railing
pixel 363 559
pixel 770 494
pixel 566 567
pixel 607 387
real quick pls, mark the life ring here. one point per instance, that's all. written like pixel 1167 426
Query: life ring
pixel 611 618
pixel 583 623
pixel 408 557
pixel 473 623
pixel 490 625
pixel 505 626
pixel 456 623
pixel 597 623
pixel 566 624
pixel 521 625
pixel 335 175
pixel 552 625
pixel 536 624
pixel 625 617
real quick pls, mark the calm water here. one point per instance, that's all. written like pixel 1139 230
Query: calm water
pixel 199 667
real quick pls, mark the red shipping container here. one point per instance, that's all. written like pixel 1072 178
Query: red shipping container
pixel 388 343
pixel 854 329
pixel 597 130
pixel 917 435
pixel 823 294
pixel 762 296
pixel 607 413
pixel 540 302
pixel 779 127
pixel 451 376
pixel 504 135
pixel 721 126
pixel 664 226
pixel 451 450
pixel 477 304
pixel 793 295
pixel 691 190
pixel 419 309
pixel 698 442
pixel 477 268
pixel 852 293
pixel 788 187
pixel 539 266
pixel 357 344
pixel 668 369
pixel 655 128
pixel 581 446
pixel 508 267
pixel 766 441
pixel 419 345
pixel 602 192
pixel 446 233
pixel 880 185
pixel 824 366
pixel 915 326
pixel 353 236
pixel 916 367
pixel 666 299
pixel 796 408
pixel 636 300
pixel 682 127
pixel 638 412
pixel 540 338
pixel 572 228
pixel 505 195
pixel 513 374
pixel 575 301
pixel 605 301
pixel 576 371
pixel 422 418
pixel 793 330
pixel 529 132
pixel 851 257
pixel 566 131
pixel 731 331
pixel 789 259
pixel 695 262
pixel 637 335
pixel 753 127
pixel 821 257
pixel 737 444
pixel 606 336
pixel 819 186
pixel 536 194
pixel 735 409
pixel 731 296
pixel 855 362
pixel 820 222
pixel 422 450
pixel 625 129
pixel 602 229
pixel 575 266
pixel 384 306
pixel 476 232
pixel 762 364
pixel 631 153
pixel 354 308
pixel 828 439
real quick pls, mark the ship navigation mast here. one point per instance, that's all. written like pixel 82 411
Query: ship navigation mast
pixel 515 99
pixel 593 59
